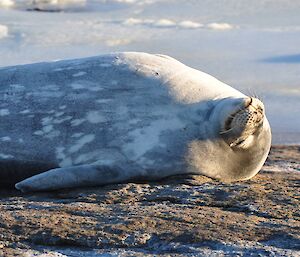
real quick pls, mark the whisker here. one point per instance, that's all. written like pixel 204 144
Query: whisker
pixel 249 91
pixel 258 96
pixel 226 131
pixel 261 98
pixel 241 109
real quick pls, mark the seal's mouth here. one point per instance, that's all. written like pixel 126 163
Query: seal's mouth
pixel 244 121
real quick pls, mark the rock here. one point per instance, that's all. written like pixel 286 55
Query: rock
pixel 181 215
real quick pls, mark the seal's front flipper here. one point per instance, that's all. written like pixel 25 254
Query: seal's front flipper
pixel 75 176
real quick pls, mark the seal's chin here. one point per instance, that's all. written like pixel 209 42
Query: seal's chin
pixel 240 126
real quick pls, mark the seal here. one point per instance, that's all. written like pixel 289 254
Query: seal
pixel 124 117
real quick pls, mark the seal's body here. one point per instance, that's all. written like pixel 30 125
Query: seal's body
pixel 123 117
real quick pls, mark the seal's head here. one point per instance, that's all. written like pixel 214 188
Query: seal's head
pixel 238 141
pixel 242 123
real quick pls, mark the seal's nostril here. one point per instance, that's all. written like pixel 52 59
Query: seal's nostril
pixel 249 102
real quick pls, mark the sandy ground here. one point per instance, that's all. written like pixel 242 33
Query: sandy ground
pixel 179 216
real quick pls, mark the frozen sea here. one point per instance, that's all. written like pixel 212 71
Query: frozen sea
pixel 250 45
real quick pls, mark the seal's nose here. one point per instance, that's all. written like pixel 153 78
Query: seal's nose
pixel 248 102
pixel 257 106
pixel 256 109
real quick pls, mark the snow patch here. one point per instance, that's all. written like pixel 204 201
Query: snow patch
pixel 3 31
pixel 164 23
pixel 126 1
pixel 219 26
pixel 190 25
pixel 6 3
pixel 161 23
pixel 133 21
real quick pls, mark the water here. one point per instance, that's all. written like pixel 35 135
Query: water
pixel 251 45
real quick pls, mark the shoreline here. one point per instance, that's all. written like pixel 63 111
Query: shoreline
pixel 285 138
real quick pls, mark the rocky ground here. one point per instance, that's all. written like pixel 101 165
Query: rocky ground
pixel 179 216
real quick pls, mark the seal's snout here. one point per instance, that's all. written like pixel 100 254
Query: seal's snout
pixel 244 121
pixel 248 102
pixel 255 110
pixel 248 116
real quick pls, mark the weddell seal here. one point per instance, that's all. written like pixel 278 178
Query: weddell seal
pixel 124 117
